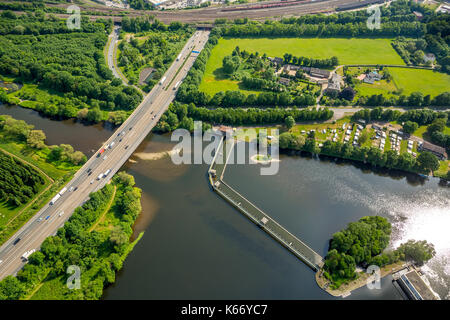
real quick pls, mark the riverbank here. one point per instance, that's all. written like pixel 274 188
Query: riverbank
pixel 27 146
pixel 362 279
pixel 95 241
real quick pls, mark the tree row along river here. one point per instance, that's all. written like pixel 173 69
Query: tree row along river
pixel 196 246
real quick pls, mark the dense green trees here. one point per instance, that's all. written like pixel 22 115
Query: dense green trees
pixel 230 64
pixel 99 254
pixel 426 162
pixel 352 29
pixel 409 127
pixel 375 157
pixel 363 243
pixel 436 132
pixel 356 245
pixel 68 61
pixel 420 116
pixel 19 182
pixel 418 252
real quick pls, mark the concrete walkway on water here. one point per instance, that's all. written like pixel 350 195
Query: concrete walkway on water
pixel 260 218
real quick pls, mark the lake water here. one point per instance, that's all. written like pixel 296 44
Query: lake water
pixel 196 246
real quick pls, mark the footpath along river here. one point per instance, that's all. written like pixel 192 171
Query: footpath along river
pixel 196 246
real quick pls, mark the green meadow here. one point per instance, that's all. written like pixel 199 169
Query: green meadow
pixel 425 81
pixel 349 51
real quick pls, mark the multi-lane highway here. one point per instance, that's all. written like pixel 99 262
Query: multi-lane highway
pixel 91 177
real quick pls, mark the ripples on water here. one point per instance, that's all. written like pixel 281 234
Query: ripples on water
pixel 419 212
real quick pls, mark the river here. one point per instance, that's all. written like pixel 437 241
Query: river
pixel 196 246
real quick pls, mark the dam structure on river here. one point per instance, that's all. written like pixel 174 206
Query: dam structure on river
pixel 260 218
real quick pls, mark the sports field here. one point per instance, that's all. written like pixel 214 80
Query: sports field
pixel 349 51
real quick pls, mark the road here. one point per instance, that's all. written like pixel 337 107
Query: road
pixel 126 139
pixel 113 38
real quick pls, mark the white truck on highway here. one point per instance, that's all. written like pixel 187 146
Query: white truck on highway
pixel 62 191
pixel 162 80
pixel 55 198
pixel 106 173
pixel 100 176
pixel 179 57
pixel 27 254
pixel 176 85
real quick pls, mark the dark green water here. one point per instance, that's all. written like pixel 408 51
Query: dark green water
pixel 196 246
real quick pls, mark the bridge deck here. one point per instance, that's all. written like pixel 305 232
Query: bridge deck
pixel 274 229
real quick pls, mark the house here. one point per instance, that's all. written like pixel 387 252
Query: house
pixel 284 81
pixel 361 77
pixel 319 73
pixel 316 72
pixel 434 149
pixel 290 70
pixel 278 61
pixel 334 83
pixel 371 77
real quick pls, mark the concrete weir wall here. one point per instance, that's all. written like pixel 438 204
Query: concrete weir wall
pixel 261 219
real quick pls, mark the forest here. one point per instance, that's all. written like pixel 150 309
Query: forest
pixel 363 243
pixel 67 63
pixel 99 252
pixel 19 182
pixel 182 115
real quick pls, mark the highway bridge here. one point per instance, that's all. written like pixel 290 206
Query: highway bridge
pixel 91 177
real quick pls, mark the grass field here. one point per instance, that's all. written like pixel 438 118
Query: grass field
pixel 349 51
pixel 425 81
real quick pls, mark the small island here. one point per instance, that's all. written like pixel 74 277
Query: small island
pixel 363 244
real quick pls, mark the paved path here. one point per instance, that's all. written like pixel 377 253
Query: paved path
pixel 259 217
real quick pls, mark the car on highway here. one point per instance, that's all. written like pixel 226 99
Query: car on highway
pixel 100 176
pixel 107 146
pixel 111 145
pixel 16 241
pixel 92 181
pixel 61 213
pixel 101 152
pixel 40 219
pixel 47 217
pixel 130 128
pixel 71 189
pixel 105 157
pixel 126 147
pixel 120 140
pixel 89 173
